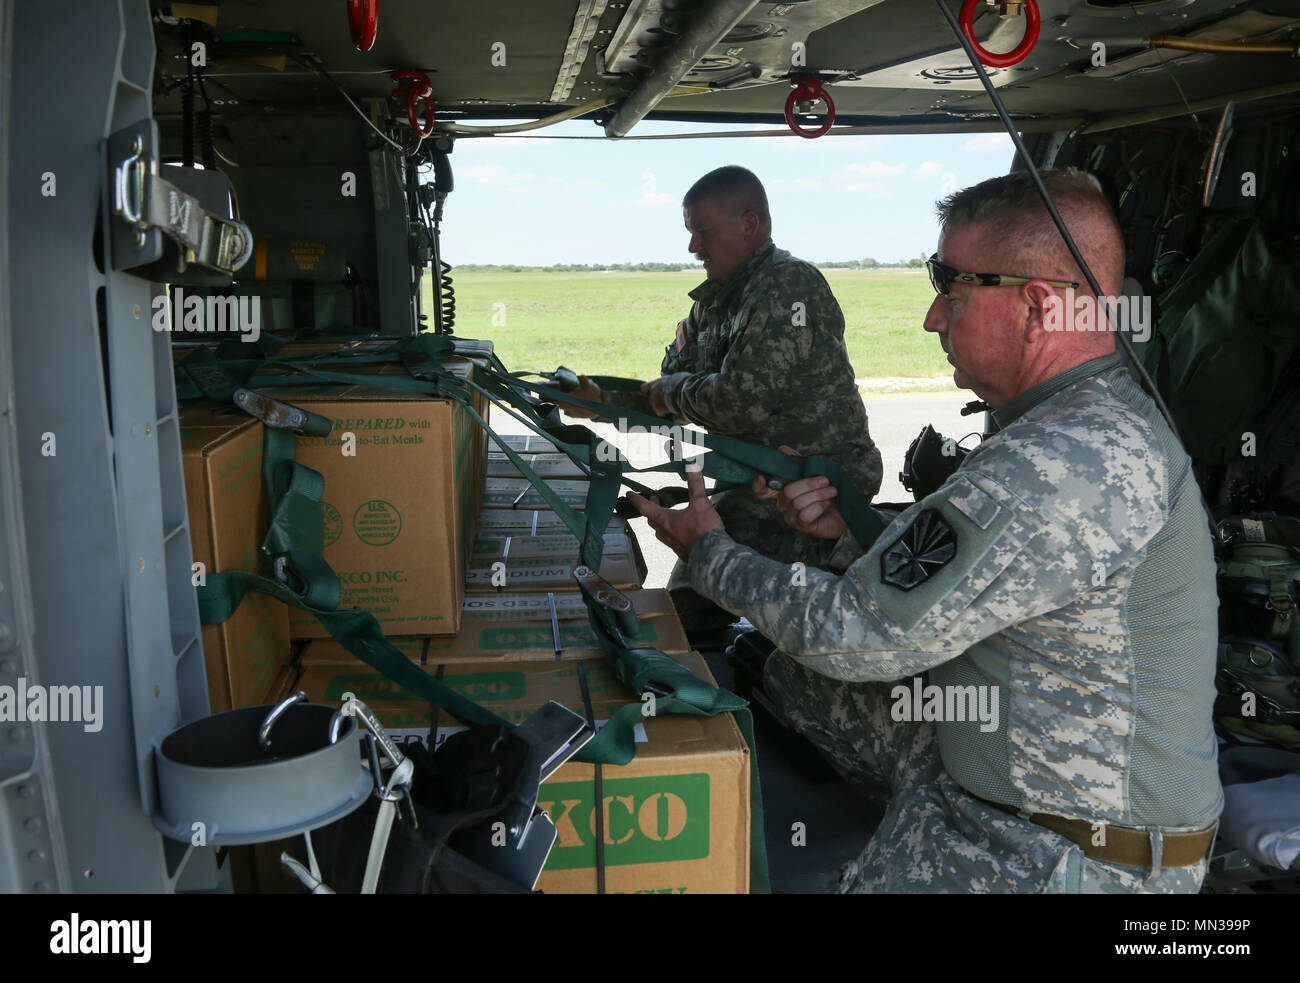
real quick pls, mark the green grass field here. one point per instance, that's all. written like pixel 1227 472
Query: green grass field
pixel 619 323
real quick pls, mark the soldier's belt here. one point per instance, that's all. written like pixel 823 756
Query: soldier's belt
pixel 1124 845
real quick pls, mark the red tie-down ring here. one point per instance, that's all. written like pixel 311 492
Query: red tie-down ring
pixel 992 59
pixel 808 88
pixel 419 87
pixel 363 22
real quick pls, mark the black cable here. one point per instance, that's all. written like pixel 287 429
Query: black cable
pixel 448 298
pixel 205 127
pixel 598 782
pixel 187 121
pixel 447 305
pixel 311 62
pixel 1056 216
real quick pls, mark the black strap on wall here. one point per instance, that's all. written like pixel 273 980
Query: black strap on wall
pixel 599 787
pixel 437 715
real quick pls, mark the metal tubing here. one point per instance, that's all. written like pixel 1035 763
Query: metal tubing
pixel 705 31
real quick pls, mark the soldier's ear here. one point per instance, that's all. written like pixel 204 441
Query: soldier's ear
pixel 1043 311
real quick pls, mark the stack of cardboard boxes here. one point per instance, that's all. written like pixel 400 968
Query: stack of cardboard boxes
pixel 434 532
pixel 248 655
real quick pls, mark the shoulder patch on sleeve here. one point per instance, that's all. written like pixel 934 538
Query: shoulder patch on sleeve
pixel 974 503
pixel 927 545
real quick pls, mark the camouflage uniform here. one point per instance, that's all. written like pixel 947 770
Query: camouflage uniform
pixel 1066 565
pixel 761 357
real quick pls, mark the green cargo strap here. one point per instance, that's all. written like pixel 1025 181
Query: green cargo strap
pixel 585 447
pixel 435 380
pixel 206 374
pixel 678 690
pixel 733 463
pixel 296 534
pixel 737 462
pixel 359 633
pixel 356 630
pixel 202 375
pixel 675 689
pixel 1280 579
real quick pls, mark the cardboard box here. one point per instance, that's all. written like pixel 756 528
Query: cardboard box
pixel 549 573
pixel 547 561
pixel 221 458
pixel 523 606
pixel 515 627
pixel 492 546
pixel 517 493
pixel 676 818
pixel 400 513
pixel 525 444
pixel 531 522
pixel 547 466
pixel 286 681
pixel 326 651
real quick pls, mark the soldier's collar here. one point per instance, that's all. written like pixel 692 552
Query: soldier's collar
pixel 1018 407
pixel 712 292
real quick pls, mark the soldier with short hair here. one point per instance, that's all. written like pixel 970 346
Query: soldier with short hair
pixel 1066 567
pixel 760 357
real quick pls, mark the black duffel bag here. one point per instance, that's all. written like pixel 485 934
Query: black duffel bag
pixel 457 792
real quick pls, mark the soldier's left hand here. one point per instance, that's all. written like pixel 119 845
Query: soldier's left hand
pixel 654 392
pixel 588 390
pixel 680 529
pixel 805 504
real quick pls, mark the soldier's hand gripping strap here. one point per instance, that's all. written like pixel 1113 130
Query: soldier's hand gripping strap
pixel 733 462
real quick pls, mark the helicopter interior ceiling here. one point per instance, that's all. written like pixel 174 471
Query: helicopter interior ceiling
pixel 888 64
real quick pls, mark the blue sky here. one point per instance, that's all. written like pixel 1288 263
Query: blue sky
pixel 540 201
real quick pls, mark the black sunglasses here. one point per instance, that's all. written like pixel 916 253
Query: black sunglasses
pixel 943 276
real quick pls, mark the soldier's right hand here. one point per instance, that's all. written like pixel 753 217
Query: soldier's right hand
pixel 588 390
pixel 807 504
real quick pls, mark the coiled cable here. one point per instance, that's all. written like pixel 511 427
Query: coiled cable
pixel 448 306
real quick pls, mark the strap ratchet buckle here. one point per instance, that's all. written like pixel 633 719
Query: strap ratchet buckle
pixel 608 598
pixel 147 201
pixel 282 416
pixel 619 615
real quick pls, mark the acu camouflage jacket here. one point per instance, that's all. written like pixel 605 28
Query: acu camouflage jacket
pixel 1067 562
pixel 761 357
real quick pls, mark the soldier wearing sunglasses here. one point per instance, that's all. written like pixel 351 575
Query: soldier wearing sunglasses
pixel 1066 564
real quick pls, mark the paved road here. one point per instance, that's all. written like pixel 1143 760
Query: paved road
pixel 894 421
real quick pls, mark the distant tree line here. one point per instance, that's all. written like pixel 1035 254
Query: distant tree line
pixel 848 264
pixel 578 268
pixel 874 264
